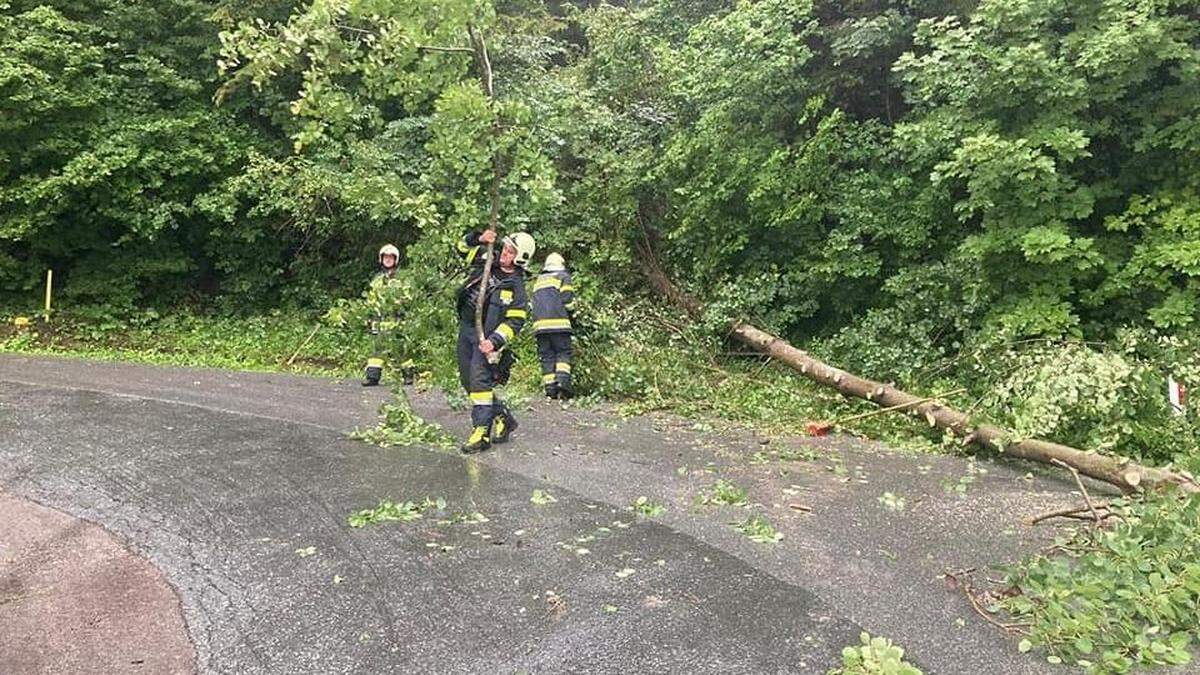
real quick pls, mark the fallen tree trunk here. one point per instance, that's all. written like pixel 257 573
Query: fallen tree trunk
pixel 1126 475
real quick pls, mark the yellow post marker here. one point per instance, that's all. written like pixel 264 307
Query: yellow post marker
pixel 49 291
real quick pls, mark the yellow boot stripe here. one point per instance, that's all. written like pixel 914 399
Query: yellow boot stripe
pixel 548 378
pixel 482 397
pixel 562 367
pixel 374 363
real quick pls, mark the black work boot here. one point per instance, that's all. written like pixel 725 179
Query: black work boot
pixel 478 442
pixel 552 391
pixel 409 372
pixel 564 392
pixel 372 376
pixel 503 426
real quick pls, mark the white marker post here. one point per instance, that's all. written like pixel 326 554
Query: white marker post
pixel 49 290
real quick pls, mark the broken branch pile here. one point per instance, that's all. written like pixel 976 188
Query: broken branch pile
pixel 1126 475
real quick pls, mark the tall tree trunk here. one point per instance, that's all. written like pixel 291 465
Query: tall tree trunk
pixel 1128 476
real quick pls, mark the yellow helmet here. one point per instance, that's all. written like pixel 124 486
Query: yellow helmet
pixel 554 263
pixel 525 246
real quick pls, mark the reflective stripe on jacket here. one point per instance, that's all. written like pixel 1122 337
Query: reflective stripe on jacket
pixel 507 304
pixel 553 300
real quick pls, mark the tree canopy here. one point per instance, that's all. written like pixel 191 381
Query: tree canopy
pixel 871 173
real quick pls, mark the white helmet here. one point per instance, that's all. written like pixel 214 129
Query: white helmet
pixel 388 249
pixel 525 246
pixel 554 263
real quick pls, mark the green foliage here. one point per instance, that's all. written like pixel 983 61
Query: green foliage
pixel 415 315
pixel 1114 599
pixel 1111 401
pixel 263 343
pixel 1044 120
pixel 725 493
pixel 542 498
pixel 349 57
pixel 387 510
pixel 760 530
pixel 874 656
pixel 399 425
pixel 108 144
pixel 645 507
pixel 892 502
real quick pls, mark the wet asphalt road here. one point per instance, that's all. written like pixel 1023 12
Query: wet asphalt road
pixel 238 486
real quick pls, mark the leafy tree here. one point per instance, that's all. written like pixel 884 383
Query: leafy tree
pixel 1043 121
pixel 108 142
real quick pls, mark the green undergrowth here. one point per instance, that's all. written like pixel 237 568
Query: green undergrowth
pixel 874 656
pixel 1113 599
pixel 399 425
pixel 759 530
pixel 634 359
pixel 645 358
pixel 388 510
pixel 257 343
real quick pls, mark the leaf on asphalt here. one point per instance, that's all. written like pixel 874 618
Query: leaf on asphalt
pixel 625 573
pixel 305 552
pixel 653 601
pixel 541 497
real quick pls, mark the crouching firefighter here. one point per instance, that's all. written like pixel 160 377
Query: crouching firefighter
pixel 483 364
pixel 553 306
pixel 383 318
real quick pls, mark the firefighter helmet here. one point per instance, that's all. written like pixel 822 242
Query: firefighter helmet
pixel 524 245
pixel 388 249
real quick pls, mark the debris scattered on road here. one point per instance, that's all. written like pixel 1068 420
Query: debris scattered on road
pixel 541 498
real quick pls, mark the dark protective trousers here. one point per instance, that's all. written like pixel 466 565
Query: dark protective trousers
pixel 477 376
pixel 554 352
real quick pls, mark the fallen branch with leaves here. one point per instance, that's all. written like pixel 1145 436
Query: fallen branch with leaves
pixel 1123 473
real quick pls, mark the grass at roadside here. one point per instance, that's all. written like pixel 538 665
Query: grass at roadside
pixel 639 373
pixel 258 343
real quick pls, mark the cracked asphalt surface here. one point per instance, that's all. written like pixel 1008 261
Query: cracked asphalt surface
pixel 237 487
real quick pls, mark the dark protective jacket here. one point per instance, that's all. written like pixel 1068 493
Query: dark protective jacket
pixel 553 301
pixel 507 304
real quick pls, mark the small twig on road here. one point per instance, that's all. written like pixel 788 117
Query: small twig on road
pixel 964 583
pixel 1078 481
pixel 1075 512
pixel 555 605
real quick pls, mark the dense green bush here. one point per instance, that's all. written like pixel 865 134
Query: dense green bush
pixel 1114 599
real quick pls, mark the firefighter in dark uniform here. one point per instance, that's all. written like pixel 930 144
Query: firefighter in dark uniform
pixel 384 319
pixel 484 364
pixel 553 301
